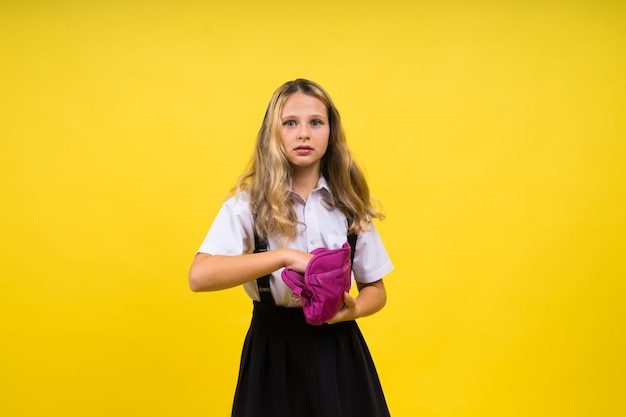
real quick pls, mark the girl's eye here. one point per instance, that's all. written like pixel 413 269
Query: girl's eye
pixel 289 123
pixel 316 122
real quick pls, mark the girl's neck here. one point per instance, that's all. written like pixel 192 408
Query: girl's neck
pixel 303 181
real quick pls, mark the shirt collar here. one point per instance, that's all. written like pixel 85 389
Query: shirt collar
pixel 322 186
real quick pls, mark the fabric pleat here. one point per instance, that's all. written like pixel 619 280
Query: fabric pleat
pixel 290 368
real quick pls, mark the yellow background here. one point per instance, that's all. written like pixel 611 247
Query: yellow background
pixel 493 132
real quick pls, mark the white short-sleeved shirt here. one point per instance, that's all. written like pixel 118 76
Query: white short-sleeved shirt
pixel 232 234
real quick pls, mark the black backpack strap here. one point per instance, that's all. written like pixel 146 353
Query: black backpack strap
pixel 263 283
pixel 352 241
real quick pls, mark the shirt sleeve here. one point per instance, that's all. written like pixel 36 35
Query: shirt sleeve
pixel 231 232
pixel 371 261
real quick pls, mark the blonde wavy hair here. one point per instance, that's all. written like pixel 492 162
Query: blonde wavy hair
pixel 268 176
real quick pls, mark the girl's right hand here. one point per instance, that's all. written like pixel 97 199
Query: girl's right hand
pixel 297 260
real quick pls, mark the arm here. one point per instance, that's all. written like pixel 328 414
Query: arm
pixel 212 273
pixel 372 298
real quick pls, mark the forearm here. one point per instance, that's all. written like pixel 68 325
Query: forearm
pixel 212 273
pixel 371 299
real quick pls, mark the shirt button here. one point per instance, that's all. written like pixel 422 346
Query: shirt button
pixel 312 242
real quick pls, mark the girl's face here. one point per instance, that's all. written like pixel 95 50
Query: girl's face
pixel 304 130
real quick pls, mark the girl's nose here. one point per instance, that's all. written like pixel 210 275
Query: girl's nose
pixel 304 133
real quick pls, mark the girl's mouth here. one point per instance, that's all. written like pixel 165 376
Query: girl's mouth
pixel 303 150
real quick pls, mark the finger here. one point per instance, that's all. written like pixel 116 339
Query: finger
pixel 348 299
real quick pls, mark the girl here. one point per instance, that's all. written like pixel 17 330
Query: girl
pixel 301 191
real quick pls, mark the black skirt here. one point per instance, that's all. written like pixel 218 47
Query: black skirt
pixel 293 369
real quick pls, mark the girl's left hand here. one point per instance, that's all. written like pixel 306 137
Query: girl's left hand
pixel 372 297
pixel 347 312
